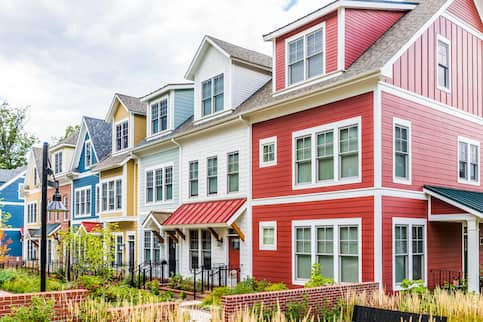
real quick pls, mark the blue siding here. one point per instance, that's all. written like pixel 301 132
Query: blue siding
pixel 84 182
pixel 16 215
pixel 15 248
pixel 10 192
pixel 183 106
pixel 81 167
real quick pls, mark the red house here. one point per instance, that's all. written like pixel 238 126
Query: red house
pixel 366 145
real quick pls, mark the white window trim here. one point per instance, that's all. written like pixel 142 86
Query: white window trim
pixel 335 126
pixel 197 179
pixel 468 141
pixel 267 224
pixel 336 223
pixel 228 192
pixel 61 165
pixel 200 248
pixel 98 194
pixel 89 214
pixel 154 168
pixel 446 41
pixel 212 96
pixel 20 191
pixel 324 55
pixel 409 222
pixel 168 120
pixel 407 124
pixel 123 201
pixel 263 142
pixel 208 194
pixel 116 234
pixel 36 212
pixel 85 154
pixel 114 135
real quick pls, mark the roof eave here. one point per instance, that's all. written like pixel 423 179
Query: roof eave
pixel 189 75
pixel 165 89
pixel 452 202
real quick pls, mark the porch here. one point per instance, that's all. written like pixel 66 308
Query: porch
pixel 455 238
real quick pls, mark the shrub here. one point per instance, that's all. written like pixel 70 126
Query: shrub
pixel 40 310
pixel 153 286
pixel 413 286
pixel 316 278
pixel 90 283
pixel 275 287
pixel 296 311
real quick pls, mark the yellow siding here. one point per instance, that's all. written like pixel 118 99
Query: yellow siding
pixel 120 113
pixel 139 128
pixel 129 227
pixel 117 172
pixel 31 197
pixel 131 191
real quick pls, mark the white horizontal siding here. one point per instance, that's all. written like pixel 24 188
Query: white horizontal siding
pixel 245 83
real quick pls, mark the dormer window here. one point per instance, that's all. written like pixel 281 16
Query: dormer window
pixel 212 99
pixel 305 55
pixel 159 116
pixel 88 154
pixel 122 137
pixel 58 162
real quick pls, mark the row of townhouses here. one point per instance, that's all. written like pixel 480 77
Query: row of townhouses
pixel 357 146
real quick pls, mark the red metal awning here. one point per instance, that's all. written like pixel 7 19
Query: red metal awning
pixel 209 212
pixel 91 225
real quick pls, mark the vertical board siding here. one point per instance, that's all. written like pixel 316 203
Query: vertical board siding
pixel 466 10
pixel 277 180
pixel 393 207
pixel 416 70
pixel 284 214
pixel 442 208
pixel 183 106
pixel 330 47
pixel 434 140
pixel 363 28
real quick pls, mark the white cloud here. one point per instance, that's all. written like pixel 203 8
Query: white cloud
pixel 66 59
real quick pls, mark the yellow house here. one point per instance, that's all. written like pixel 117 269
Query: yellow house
pixel 118 182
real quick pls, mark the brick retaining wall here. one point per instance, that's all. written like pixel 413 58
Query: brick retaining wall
pixel 316 298
pixel 63 301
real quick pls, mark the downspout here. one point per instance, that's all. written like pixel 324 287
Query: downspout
pixel 166 249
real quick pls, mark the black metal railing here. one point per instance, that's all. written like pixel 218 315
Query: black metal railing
pixel 205 279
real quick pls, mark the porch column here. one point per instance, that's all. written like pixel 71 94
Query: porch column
pixel 473 255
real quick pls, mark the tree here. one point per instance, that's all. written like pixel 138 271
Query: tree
pixel 71 129
pixel 15 142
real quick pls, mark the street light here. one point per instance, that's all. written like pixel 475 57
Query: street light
pixel 54 206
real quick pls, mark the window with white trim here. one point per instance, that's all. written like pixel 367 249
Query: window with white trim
pixel 155 184
pixel 212 175
pixel 32 213
pixel 193 179
pixel 66 205
pixel 443 63
pixel 58 162
pixel 233 176
pixel 200 248
pixel 402 151
pixel 119 249
pixel 409 237
pixel 327 154
pixel 159 116
pixel 212 95
pixel 468 161
pixel 122 135
pixel 88 154
pixel 268 235
pixel 152 247
pixel 305 55
pixel 333 243
pixel 98 198
pixel 111 192
pixel 31 250
pixel 268 152
pixel 83 201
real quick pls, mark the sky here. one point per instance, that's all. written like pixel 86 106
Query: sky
pixel 66 59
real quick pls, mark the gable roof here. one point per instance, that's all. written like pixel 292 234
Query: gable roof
pixel 465 198
pixel 68 141
pixel 37 155
pixel 230 50
pixel 113 161
pixel 100 135
pixel 133 104
pixel 8 174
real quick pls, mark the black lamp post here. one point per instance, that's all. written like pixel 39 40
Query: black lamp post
pixel 55 205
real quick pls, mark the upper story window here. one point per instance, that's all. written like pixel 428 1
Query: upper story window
pixel 443 62
pixel 158 190
pixel 268 235
pixel 212 95
pixel 402 151
pixel 468 161
pixel 32 213
pixel 111 192
pixel 268 152
pixel 122 135
pixel 88 154
pixel 233 172
pixel 305 55
pixel 58 162
pixel 327 154
pixel 159 116
pixel 212 172
pixel 83 202
pixel 193 179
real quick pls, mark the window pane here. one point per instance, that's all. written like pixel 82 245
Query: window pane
pixel 268 236
pixel 463 159
pixel 349 165
pixel 401 268
pixel 315 65
pixel 154 118
pixel 304 172
pixel 417 267
pixel 326 265
pixel 401 165
pixel 268 152
pixel 212 185
pixel 349 269
pixel 163 114
pixel 296 50
pixel 207 106
pixel 296 72
pixel 303 266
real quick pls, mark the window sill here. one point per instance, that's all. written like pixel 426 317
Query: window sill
pixel 444 89
pixel 328 183
pixel 267 164
pixel 469 182
pixel 213 116
pixel 155 136
pixel 401 181
pixel 159 203
pixel 307 82
pixel 268 248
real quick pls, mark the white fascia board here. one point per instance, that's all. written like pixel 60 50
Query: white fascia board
pixel 195 61
pixel 166 88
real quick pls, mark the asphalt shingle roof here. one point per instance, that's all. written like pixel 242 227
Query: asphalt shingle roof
pixel 37 154
pixel 470 199
pixel 111 161
pixel 133 104
pixel 101 137
pixel 36 233
pixel 8 174
pixel 70 140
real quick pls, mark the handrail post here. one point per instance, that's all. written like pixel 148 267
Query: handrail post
pixel 194 284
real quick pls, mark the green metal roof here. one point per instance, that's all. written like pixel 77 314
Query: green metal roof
pixel 466 198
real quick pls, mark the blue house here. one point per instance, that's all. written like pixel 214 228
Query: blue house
pixel 93 145
pixel 12 208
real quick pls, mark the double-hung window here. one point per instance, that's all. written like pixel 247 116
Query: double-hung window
pixel 212 178
pixel 233 172
pixel 402 151
pixel 306 56
pixel 87 154
pixel 334 244
pixel 58 162
pixel 268 235
pixel 32 213
pixel 111 195
pixel 147 246
pixel 468 161
pixel 122 135
pixel 212 95
pixel 83 201
pixel 268 152
pixel 193 178
pixel 152 247
pixel 409 237
pixel 158 190
pixel 159 116
pixel 443 63
pixel 200 248
pixel 119 250
pixel 327 154
pixel 168 183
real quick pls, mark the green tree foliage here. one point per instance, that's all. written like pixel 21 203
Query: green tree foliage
pixel 71 129
pixel 15 142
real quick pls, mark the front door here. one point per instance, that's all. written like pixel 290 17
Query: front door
pixel 234 252
pixel 131 251
pixel 171 256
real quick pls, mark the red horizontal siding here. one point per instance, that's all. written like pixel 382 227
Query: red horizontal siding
pixel 363 28
pixel 330 47
pixel 466 10
pixel 416 70
pixel 400 208
pixel 263 261
pixel 277 180
pixel 439 207
pixel 434 142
